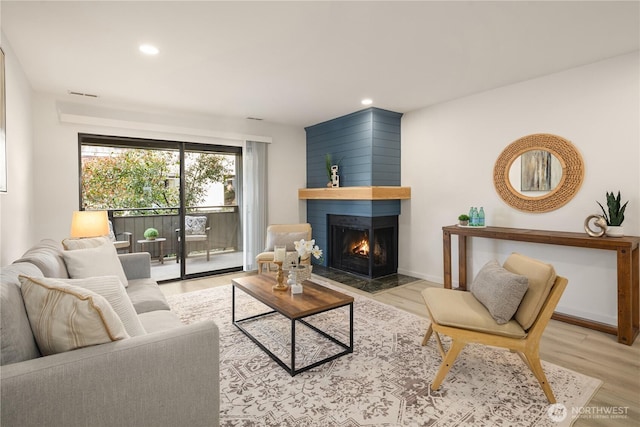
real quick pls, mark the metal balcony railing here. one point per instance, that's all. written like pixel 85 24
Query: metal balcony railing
pixel 223 221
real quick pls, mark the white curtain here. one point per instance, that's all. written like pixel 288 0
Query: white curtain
pixel 254 201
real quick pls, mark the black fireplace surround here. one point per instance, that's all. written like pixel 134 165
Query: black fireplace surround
pixel 366 246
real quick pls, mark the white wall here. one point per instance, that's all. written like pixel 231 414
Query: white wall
pixel 448 154
pixel 16 205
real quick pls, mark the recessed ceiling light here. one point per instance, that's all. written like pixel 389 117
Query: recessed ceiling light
pixel 148 49
pixel 366 101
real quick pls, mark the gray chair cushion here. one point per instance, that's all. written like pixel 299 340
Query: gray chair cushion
pixel 16 338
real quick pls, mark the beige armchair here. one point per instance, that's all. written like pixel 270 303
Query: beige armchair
pixel 282 235
pixel 125 243
pixel 465 319
pixel 196 232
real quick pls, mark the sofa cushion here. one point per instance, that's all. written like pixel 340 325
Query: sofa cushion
pixel 98 261
pixel 145 294
pixel 17 343
pixel 499 290
pixel 47 256
pixel 90 242
pixel 114 292
pixel 541 277
pixel 64 317
pixel 159 320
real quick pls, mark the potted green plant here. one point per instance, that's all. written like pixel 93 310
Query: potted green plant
pixel 463 219
pixel 151 233
pixel 614 215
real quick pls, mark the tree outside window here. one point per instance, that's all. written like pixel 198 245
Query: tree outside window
pixel 124 179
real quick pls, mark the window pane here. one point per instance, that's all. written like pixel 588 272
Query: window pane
pixel 123 179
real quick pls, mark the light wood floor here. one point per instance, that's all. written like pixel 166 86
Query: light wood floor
pixel 583 350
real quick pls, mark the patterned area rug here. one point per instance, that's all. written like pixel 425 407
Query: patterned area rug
pixel 384 382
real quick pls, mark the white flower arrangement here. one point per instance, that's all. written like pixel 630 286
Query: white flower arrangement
pixel 304 248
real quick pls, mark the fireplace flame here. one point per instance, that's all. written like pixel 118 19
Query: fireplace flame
pixel 361 248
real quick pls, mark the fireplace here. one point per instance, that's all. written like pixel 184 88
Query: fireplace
pixel 367 246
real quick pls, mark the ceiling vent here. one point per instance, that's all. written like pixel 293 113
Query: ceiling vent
pixel 88 95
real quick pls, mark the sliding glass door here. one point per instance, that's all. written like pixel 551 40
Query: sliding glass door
pixel 187 192
pixel 212 237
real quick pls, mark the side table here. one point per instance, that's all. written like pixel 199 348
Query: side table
pixel 160 240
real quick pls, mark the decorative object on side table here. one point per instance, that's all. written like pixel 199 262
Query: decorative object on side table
pixel 279 254
pixel 151 234
pixel 614 215
pixel 599 222
pixel 463 219
pixel 305 248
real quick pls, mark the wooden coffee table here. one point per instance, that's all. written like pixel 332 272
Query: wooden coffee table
pixel 314 300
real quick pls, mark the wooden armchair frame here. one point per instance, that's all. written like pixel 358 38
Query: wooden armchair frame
pixel 127 243
pixel 527 347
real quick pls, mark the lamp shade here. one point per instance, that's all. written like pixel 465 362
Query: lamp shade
pixel 89 224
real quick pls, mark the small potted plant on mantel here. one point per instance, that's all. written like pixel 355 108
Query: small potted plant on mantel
pixel 463 220
pixel 614 215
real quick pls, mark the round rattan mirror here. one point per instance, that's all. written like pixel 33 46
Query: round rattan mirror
pixel 540 188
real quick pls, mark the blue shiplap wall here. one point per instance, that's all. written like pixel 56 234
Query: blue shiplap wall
pixel 367 143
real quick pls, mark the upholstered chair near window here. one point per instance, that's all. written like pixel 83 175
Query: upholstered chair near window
pixel 508 307
pixel 196 233
pixel 283 235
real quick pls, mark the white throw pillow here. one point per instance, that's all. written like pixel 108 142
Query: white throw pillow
pixel 64 317
pixel 113 291
pixel 90 242
pixel 99 261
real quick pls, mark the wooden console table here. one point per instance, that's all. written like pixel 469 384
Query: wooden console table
pixel 627 267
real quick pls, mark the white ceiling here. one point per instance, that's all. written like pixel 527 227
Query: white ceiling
pixel 301 63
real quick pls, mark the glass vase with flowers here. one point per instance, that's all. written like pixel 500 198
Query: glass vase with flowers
pixel 305 249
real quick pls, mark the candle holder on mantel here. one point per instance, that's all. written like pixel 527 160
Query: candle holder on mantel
pixel 280 285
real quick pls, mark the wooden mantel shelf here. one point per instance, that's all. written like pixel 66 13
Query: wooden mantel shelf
pixel 356 193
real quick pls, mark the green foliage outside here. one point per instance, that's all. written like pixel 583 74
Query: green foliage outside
pixel 137 178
